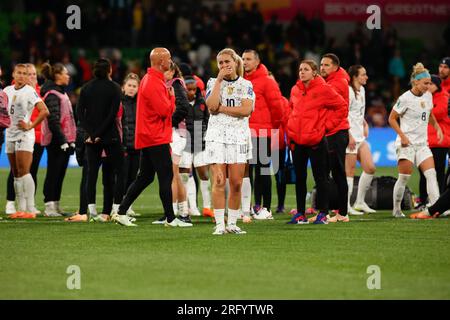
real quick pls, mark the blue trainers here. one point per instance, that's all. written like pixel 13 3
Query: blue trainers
pixel 321 218
pixel 298 218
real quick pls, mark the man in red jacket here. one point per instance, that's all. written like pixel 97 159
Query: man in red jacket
pixel 155 105
pixel 337 126
pixel 267 115
pixel 444 74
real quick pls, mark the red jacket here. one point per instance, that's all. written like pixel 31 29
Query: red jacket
pixel 440 112
pixel 445 85
pixel 34 115
pixel 337 120
pixel 268 113
pixel 309 106
pixel 154 110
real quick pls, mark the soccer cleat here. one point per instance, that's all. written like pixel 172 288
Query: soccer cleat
pixel 186 219
pixel 23 215
pixel 398 214
pixel 246 219
pixel 122 219
pixel 256 209
pixel 161 220
pixel 232 228
pixel 321 218
pixel 77 218
pixel 298 217
pixel 423 215
pixel 207 212
pixel 354 212
pixel 219 230
pixel 131 213
pixel 10 207
pixel 100 218
pixel 339 218
pixel 363 207
pixel 194 212
pixel 263 214
pixel 178 223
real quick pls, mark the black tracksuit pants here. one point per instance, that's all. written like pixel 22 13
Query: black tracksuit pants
pixel 57 161
pixel 337 144
pixel 154 160
pixel 281 177
pixel 318 155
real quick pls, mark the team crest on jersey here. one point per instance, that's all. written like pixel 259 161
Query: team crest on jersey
pixel 422 104
pixel 230 90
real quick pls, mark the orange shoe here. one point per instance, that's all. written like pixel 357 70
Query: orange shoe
pixel 207 212
pixel 423 215
pixel 23 215
pixel 339 218
pixel 77 218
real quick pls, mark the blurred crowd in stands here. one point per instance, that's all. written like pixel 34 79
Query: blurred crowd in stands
pixel 194 33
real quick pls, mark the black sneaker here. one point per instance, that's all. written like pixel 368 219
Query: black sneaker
pixel 186 219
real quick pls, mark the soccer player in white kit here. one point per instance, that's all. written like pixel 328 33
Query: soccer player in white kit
pixel 413 109
pixel 230 100
pixel 358 148
pixel 22 98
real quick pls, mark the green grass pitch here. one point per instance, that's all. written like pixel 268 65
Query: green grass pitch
pixel 272 261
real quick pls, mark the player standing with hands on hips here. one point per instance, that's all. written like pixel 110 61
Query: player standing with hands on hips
pixel 230 100
pixel 413 109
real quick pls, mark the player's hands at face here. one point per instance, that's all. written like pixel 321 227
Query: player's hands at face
pixel 224 72
pixel 404 141
pixel 25 126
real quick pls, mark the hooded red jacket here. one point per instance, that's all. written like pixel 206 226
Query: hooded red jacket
pixel 154 110
pixel 440 112
pixel 445 85
pixel 337 120
pixel 268 113
pixel 309 107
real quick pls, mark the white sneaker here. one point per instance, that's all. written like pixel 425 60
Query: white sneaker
pixel 10 207
pixel 123 220
pixel 161 220
pixel 50 210
pixel 446 213
pixel 131 213
pixel 178 223
pixel 263 214
pixel 363 207
pixel 58 208
pixel 194 212
pixel 232 228
pixel 398 214
pixel 34 210
pixel 353 212
pixel 219 230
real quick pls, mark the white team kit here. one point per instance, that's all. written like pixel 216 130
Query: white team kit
pixel 228 139
pixel 414 115
pixel 20 107
pixel 357 108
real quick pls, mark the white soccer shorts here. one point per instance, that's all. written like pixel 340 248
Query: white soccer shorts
pixel 415 154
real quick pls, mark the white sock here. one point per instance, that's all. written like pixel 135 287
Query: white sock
pixel 92 209
pixel 29 188
pixel 191 191
pixel 232 216
pixel 206 195
pixel 219 216
pixel 350 189
pixel 399 190
pixel 432 185
pixel 175 208
pixel 115 208
pixel 184 209
pixel 20 194
pixel 246 195
pixel 363 185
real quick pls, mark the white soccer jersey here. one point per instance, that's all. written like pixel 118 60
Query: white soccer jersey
pixel 224 128
pixel 414 114
pixel 20 107
pixel 356 112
